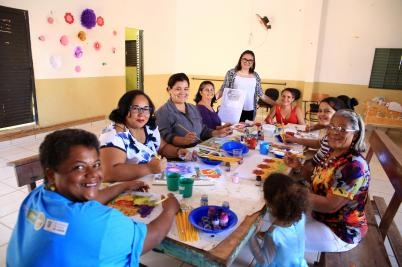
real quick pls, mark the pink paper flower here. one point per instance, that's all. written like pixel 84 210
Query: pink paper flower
pixel 97 46
pixel 100 21
pixel 69 18
pixel 64 40
pixel 77 68
pixel 50 20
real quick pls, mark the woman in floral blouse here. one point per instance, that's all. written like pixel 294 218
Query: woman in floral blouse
pixel 131 143
pixel 339 188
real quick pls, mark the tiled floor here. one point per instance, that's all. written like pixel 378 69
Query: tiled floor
pixel 11 195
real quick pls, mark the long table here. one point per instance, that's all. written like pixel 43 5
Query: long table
pixel 245 199
pixel 380 116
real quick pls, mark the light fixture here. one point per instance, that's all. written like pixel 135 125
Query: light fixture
pixel 264 21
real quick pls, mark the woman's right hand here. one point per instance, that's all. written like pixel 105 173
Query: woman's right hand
pixel 292 160
pixel 157 165
pixel 171 204
pixel 190 138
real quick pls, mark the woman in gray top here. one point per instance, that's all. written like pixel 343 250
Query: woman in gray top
pixel 179 122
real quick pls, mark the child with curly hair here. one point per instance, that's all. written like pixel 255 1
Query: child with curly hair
pixel 283 242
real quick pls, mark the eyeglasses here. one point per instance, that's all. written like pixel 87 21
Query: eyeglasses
pixel 144 110
pixel 247 60
pixel 339 129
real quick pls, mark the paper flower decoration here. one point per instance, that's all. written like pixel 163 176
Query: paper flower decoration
pixel 50 20
pixel 78 52
pixel 69 18
pixel 42 38
pixel 114 32
pixel 100 21
pixel 82 36
pixel 64 40
pixel 77 68
pixel 97 46
pixel 113 50
pixel 55 62
pixel 88 18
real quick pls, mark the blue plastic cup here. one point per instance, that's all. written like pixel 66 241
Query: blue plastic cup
pixel 264 148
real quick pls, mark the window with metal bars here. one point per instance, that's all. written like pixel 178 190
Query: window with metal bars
pixel 17 82
pixel 387 69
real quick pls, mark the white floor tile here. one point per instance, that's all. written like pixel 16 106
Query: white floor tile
pixel 11 202
pixel 10 219
pixel 6 172
pixel 22 153
pixel 5 234
pixel 6 189
pixel 3 250
pixel 10 181
pixel 154 259
pixel 23 140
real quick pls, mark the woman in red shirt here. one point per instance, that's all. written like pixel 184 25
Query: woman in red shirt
pixel 286 112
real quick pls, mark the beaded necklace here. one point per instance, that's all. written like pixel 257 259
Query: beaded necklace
pixel 337 161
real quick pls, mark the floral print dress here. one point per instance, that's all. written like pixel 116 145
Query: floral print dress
pixel 136 151
pixel 348 177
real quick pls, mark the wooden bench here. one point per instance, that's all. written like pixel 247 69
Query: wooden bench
pixel 371 251
pixel 27 171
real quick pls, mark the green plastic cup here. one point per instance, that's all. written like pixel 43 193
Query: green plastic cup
pixel 173 181
pixel 186 187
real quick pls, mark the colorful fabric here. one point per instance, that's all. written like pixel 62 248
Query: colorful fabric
pixel 136 151
pixel 209 118
pixel 348 177
pixel 229 83
pixel 52 230
pixel 292 116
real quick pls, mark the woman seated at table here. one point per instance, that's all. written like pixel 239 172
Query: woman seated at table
pixel 339 187
pixel 179 122
pixel 287 111
pixel 349 102
pixel 60 223
pixel 131 143
pixel 205 99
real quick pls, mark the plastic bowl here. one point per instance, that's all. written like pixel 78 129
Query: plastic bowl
pixel 229 146
pixel 210 161
pixel 279 154
pixel 196 215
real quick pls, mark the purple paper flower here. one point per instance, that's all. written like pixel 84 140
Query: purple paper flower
pixel 88 18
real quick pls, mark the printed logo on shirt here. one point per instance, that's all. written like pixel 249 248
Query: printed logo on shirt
pixel 36 218
pixel 56 227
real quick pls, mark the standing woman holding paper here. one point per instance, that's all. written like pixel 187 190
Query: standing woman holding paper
pixel 244 78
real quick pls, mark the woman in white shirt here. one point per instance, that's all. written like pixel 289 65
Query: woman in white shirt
pixel 243 77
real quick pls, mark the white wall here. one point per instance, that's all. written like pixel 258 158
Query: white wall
pixel 310 40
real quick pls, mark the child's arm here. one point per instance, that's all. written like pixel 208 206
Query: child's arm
pixel 263 254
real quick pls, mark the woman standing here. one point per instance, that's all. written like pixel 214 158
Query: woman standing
pixel 339 187
pixel 180 123
pixel 131 143
pixel 286 112
pixel 243 77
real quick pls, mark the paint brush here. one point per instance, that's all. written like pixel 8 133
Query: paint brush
pixel 188 131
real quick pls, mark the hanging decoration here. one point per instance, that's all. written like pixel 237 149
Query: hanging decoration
pixel 69 18
pixel 97 46
pixel 82 36
pixel 78 52
pixel 114 32
pixel 88 18
pixel 100 21
pixel 64 40
pixel 55 61
pixel 114 50
pixel 42 38
pixel 50 20
pixel 77 68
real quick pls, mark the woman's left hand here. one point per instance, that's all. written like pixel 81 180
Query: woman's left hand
pixel 136 185
pixel 224 132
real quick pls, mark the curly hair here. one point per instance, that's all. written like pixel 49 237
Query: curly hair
pixel 56 147
pixel 286 198
pixel 119 114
